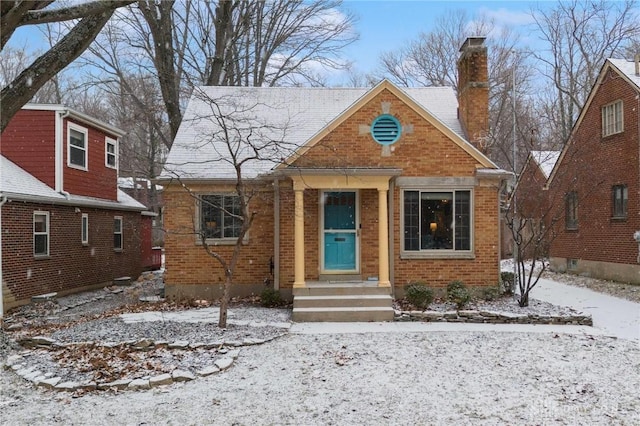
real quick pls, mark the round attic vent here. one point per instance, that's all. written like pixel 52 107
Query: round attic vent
pixel 386 129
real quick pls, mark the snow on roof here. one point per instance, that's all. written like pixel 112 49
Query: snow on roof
pixel 15 180
pixel 628 68
pixel 546 160
pixel 292 115
pixel 17 183
pixel 127 183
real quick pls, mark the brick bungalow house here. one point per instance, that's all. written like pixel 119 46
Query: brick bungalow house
pixel 65 226
pixel 598 175
pixel 366 191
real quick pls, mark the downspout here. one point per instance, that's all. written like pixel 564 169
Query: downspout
pixel 276 234
pixel 390 210
pixel 59 150
pixel 3 200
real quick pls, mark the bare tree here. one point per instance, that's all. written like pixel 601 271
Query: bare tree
pixel 579 35
pixel 13 14
pixel 232 139
pixel 431 59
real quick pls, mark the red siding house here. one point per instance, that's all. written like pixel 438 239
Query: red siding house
pixel 357 192
pixel 65 226
pixel 598 176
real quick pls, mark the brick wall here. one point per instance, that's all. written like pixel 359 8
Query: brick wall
pixel 70 267
pixel 591 166
pixel 187 262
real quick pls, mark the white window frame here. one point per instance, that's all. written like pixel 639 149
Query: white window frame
pixel 120 232
pixel 440 253
pixel 85 132
pixel 41 233
pixel 612 118
pixel 84 229
pixel 113 142
pixel 218 241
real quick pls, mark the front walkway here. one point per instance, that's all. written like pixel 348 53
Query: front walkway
pixel 614 316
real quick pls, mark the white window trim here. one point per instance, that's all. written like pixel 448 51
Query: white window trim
pixel 47 233
pixel 228 241
pixel 85 131
pixel 605 127
pixel 121 233
pixel 109 141
pixel 84 230
pixel 439 254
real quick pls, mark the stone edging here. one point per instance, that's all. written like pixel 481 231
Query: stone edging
pixel 491 317
pixel 51 381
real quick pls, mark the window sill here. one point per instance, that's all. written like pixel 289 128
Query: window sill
pixel 75 166
pixel 221 242
pixel 118 250
pixel 611 135
pixel 618 218
pixel 433 255
pixel 572 229
pixel 41 256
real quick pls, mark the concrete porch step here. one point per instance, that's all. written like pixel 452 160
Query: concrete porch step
pixel 341 290
pixel 343 314
pixel 348 300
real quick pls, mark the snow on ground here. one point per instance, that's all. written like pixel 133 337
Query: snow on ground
pixel 436 378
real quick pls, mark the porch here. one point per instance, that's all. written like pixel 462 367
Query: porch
pixel 340 294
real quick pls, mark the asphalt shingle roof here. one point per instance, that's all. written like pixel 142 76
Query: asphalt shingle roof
pixel 293 115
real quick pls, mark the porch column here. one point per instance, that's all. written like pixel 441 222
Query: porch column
pixel 298 230
pixel 383 239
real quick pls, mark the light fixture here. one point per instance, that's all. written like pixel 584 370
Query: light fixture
pixel 433 226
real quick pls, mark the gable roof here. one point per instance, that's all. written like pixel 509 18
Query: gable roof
pixel 623 67
pixel 18 184
pixel 546 160
pixel 297 116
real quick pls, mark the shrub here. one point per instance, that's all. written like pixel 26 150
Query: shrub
pixel 457 293
pixel 419 295
pixel 491 293
pixel 507 281
pixel 270 298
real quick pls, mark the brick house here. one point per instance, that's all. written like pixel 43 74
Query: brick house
pixel 598 177
pixel 529 196
pixel 370 188
pixel 65 226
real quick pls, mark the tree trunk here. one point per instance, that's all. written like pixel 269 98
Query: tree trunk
pixel 17 93
pixel 224 301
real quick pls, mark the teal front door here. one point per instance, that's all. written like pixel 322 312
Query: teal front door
pixel 340 232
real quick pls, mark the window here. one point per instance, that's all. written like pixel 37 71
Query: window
pixel 117 233
pixel 220 216
pixel 437 220
pixel 41 233
pixel 77 146
pixel 84 231
pixel 111 153
pixel 571 210
pixel 620 201
pixel 612 119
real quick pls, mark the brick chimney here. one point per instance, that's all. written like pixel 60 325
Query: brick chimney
pixel 473 91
